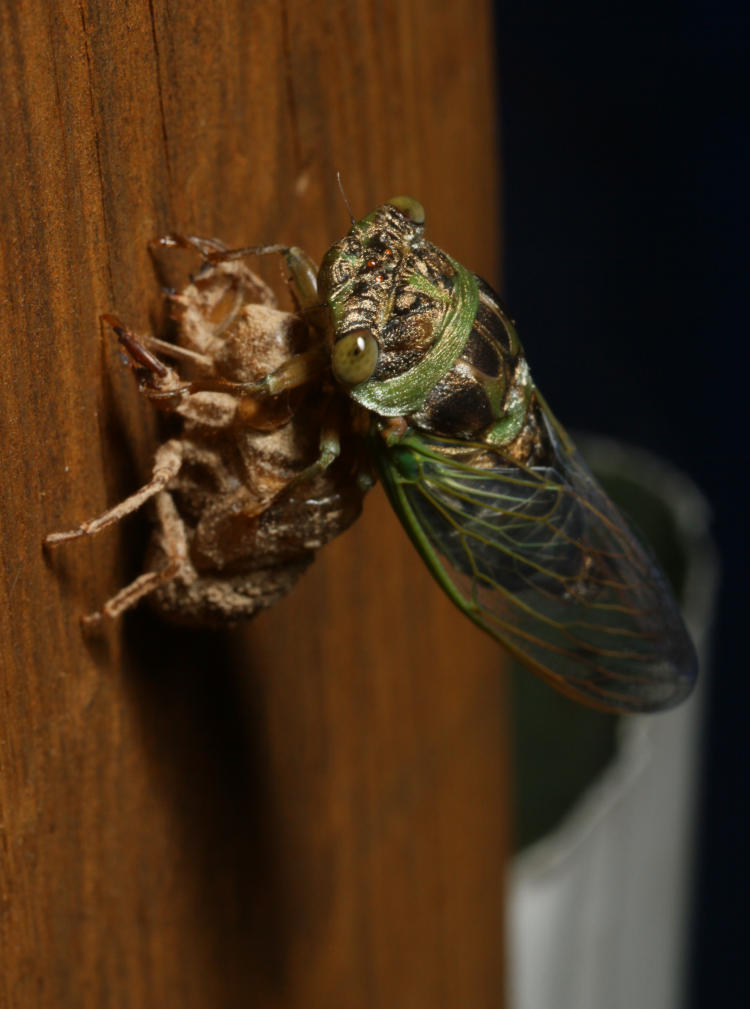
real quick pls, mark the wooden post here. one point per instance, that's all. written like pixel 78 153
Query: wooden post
pixel 311 811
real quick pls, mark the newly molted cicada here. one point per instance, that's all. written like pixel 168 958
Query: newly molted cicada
pixel 486 482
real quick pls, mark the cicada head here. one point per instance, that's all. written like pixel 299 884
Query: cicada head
pixel 389 293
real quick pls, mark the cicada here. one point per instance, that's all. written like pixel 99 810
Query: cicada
pixel 488 485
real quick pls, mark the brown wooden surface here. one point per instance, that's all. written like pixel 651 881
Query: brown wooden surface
pixel 310 812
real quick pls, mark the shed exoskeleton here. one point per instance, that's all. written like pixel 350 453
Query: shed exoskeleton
pixel 240 498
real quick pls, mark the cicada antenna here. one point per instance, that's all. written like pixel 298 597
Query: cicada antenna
pixel 343 196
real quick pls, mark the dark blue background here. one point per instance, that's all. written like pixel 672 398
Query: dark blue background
pixel 625 154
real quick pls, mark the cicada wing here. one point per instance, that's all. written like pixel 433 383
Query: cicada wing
pixel 540 558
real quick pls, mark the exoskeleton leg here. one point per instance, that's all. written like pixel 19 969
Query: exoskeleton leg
pixel 303 269
pixel 164 387
pixel 329 449
pixel 173 542
pixel 167 462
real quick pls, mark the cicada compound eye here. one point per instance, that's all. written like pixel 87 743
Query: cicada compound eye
pixel 411 209
pixel 354 357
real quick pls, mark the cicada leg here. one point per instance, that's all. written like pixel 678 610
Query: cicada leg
pixel 205 247
pixel 173 542
pixel 329 449
pixel 158 382
pixel 302 268
pixel 167 463
pixel 166 390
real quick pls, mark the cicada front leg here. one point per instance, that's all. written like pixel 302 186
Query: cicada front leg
pixel 303 269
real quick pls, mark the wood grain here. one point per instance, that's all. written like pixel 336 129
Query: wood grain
pixel 311 811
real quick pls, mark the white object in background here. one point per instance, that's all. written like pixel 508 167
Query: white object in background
pixel 599 909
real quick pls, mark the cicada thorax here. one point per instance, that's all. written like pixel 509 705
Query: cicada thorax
pixel 488 394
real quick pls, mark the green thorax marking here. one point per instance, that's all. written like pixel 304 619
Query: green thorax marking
pixel 405 393
pixel 515 409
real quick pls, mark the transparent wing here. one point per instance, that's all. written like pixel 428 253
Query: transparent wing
pixel 540 558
